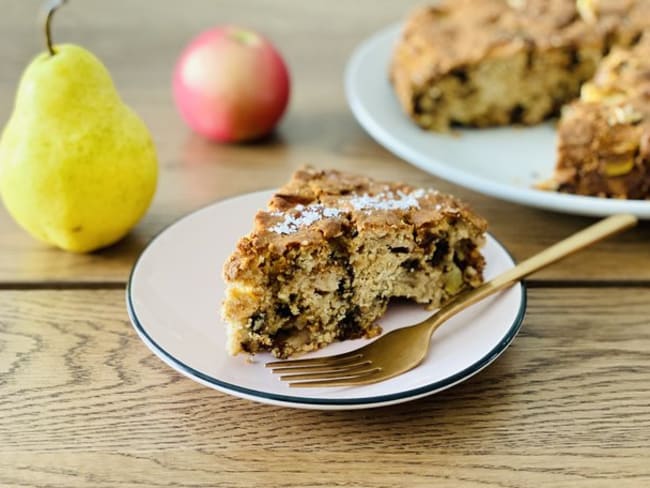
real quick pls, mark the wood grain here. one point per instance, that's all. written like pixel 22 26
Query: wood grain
pixel 140 43
pixel 84 403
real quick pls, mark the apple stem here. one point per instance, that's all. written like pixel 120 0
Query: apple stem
pixel 51 7
pixel 244 36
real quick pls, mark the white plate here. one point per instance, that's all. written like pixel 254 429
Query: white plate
pixel 175 291
pixel 503 162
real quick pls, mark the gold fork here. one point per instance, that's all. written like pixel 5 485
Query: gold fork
pixel 403 349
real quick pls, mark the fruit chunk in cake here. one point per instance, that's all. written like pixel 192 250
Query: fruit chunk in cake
pixel 496 62
pixel 332 249
pixel 604 138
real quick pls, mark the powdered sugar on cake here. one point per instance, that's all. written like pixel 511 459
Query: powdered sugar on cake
pixel 388 200
pixel 302 216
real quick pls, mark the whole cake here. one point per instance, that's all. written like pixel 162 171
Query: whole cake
pixel 495 62
pixel 332 249
pixel 604 137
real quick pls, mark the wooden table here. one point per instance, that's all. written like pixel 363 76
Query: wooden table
pixel 84 403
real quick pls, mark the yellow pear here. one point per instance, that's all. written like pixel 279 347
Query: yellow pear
pixel 78 167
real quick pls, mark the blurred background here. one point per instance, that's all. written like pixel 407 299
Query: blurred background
pixel 140 52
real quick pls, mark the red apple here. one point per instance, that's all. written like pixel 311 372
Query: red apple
pixel 231 85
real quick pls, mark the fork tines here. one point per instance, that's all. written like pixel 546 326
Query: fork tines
pixel 340 370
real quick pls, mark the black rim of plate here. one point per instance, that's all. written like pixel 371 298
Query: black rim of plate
pixel 298 400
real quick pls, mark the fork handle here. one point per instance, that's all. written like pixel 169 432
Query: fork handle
pixel 592 234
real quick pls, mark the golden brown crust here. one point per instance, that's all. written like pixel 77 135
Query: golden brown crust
pixel 336 189
pixel 604 138
pixel 456 33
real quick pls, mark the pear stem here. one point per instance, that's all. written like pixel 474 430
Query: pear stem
pixel 51 7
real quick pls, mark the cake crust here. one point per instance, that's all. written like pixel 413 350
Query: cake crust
pixel 334 189
pixel 604 137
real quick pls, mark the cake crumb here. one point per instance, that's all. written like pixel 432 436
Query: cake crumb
pixel 332 280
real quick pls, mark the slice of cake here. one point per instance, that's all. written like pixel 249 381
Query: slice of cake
pixel 332 249
pixel 496 62
pixel 604 138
